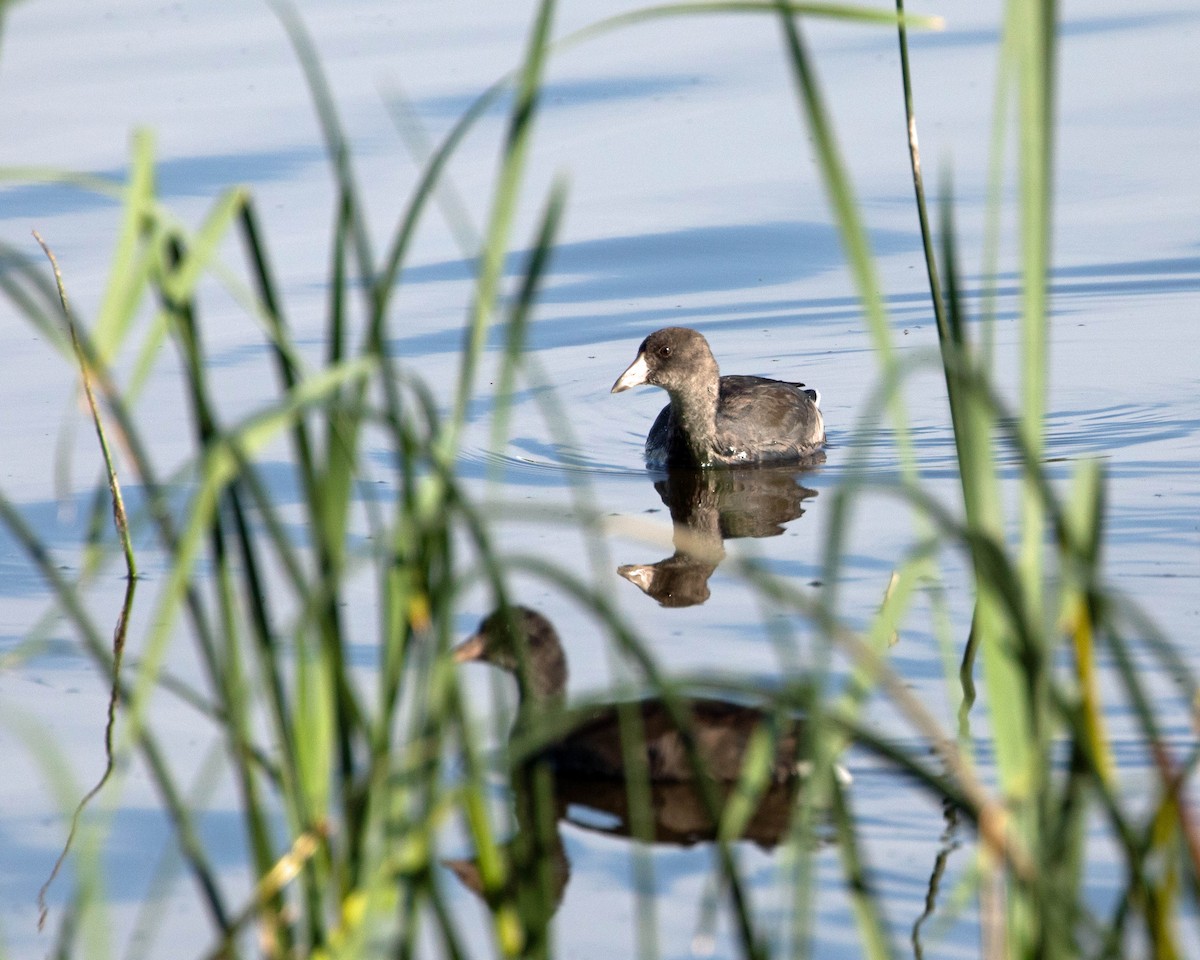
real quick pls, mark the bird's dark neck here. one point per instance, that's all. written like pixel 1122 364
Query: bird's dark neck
pixel 539 696
pixel 695 415
pixel 543 682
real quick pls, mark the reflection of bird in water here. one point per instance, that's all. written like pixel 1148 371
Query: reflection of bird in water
pixel 678 818
pixel 538 868
pixel 714 420
pixel 708 507
pixel 720 730
pixel 680 580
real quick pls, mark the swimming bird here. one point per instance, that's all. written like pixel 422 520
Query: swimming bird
pixel 592 747
pixel 715 420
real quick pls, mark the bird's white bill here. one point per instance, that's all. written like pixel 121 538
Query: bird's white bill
pixel 470 649
pixel 634 376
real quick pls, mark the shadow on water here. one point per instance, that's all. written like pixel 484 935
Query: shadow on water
pixel 176 177
pixel 678 262
pixel 707 508
pixel 584 91
pixel 748 257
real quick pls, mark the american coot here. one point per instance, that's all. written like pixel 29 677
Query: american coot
pixel 715 420
pixel 592 748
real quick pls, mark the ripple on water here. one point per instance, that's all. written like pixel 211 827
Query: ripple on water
pixel 535 463
pixel 1112 432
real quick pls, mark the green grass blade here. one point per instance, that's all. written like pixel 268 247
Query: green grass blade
pixel 130 272
pixel 495 249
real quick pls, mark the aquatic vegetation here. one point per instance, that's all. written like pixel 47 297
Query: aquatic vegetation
pixel 346 777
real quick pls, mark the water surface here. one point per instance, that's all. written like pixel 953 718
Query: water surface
pixel 694 200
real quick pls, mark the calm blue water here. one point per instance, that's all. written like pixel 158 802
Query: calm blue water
pixel 694 200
